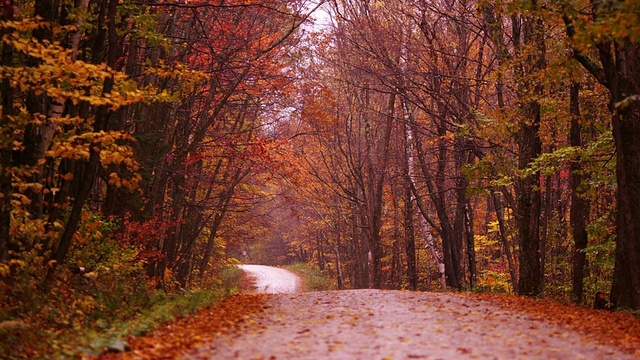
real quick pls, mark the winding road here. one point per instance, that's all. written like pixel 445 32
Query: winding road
pixel 382 324
pixel 272 280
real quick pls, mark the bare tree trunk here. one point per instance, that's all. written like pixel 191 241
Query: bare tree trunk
pixel 579 205
pixel 528 207
pixel 410 240
pixel 377 198
pixel 432 247
pixel 530 147
pixel 625 291
pixel 337 252
pixel 513 272
pixel 470 243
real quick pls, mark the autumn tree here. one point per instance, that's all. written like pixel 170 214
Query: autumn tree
pixel 61 101
pixel 604 41
pixel 525 53
pixel 398 66
pixel 212 119
pixel 151 114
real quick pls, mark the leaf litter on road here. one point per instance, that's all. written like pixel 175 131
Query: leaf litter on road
pixel 238 317
pixel 618 329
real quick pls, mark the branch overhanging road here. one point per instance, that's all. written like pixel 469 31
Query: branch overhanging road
pixel 383 324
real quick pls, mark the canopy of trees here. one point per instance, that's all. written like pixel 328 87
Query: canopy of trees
pixel 491 145
pixel 472 145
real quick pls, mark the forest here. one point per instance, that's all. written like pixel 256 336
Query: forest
pixel 468 145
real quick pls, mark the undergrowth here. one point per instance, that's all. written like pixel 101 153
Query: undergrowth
pixel 75 316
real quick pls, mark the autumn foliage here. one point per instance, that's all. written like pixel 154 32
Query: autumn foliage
pixel 133 137
pixel 469 145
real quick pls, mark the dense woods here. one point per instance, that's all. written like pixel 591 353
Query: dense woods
pixel 472 145
pixel 469 145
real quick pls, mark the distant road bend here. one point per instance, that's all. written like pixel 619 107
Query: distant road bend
pixel 272 280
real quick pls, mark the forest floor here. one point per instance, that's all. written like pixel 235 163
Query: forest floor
pixel 384 324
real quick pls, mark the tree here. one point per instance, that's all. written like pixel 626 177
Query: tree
pixel 617 50
pixel 579 205
pixel 527 59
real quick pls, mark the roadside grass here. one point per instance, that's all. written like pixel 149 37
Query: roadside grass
pixel 171 340
pixel 166 308
pixel 231 277
pixel 169 307
pixel 31 337
pixel 313 278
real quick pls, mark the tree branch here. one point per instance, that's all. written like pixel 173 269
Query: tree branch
pixel 585 61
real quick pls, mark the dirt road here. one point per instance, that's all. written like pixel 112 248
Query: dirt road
pixel 378 324
pixel 271 280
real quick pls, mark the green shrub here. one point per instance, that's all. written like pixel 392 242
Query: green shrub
pixel 231 277
pixel 312 277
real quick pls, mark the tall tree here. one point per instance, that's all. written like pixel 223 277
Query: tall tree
pixel 579 204
pixel 617 68
pixel 527 58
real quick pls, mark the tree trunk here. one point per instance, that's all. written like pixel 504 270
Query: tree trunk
pixel 470 243
pixel 426 222
pixel 579 205
pixel 410 240
pixel 528 206
pixel 625 291
pixel 451 234
pixel 338 253
pixel 513 272
pixel 379 177
pixel 37 134
pixel 530 147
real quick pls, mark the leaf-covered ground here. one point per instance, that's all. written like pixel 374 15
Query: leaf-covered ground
pixel 241 322
pixel 619 329
pixel 170 340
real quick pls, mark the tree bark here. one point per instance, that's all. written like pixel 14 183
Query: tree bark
pixel 579 205
pixel 619 70
pixel 528 205
pixel 377 198
pixel 530 147
pixel 625 290
pixel 410 240
pixel 513 272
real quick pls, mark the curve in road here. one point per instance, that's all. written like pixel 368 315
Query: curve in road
pixel 272 280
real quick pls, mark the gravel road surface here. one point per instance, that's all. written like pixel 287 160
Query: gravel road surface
pixel 379 324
